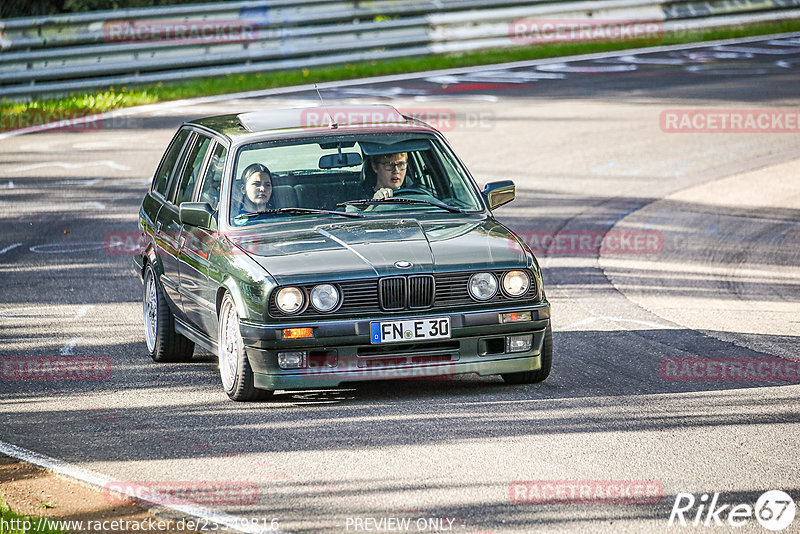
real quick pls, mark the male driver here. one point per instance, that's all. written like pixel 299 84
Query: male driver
pixel 390 170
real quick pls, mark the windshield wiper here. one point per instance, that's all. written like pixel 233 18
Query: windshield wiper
pixel 296 211
pixel 375 201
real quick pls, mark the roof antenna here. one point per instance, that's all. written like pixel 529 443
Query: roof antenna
pixel 332 124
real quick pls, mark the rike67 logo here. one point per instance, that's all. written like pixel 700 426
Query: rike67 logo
pixel 774 510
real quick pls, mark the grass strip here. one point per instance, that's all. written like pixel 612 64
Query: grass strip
pixel 15 114
pixel 14 523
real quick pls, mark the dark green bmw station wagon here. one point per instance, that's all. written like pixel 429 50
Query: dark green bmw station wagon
pixel 312 247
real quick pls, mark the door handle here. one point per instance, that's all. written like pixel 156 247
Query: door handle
pixel 158 227
pixel 181 241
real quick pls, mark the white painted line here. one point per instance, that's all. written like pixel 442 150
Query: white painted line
pixel 39 312
pixel 396 78
pixel 10 247
pixel 65 165
pixel 652 60
pixel 78 183
pixel 23 339
pixel 730 70
pixel 68 349
pixel 46 311
pixel 66 248
pixel 102 482
pixel 576 324
pixel 461 98
pixel 91 205
pixel 586 69
pixel 492 76
pixel 93 145
pixel 757 50
pixel 590 320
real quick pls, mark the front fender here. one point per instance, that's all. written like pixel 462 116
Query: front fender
pixel 250 297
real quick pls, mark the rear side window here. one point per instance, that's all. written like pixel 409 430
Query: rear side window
pixel 213 179
pixel 168 162
pixel 194 165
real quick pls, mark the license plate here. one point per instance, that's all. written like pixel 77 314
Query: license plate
pixel 409 330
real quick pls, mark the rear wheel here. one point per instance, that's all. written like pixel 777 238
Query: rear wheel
pixel 234 368
pixel 531 377
pixel 164 344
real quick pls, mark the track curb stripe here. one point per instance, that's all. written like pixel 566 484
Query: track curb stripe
pixel 100 481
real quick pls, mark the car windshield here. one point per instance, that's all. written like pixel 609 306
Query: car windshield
pixel 364 174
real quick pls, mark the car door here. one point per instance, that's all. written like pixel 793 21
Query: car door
pixel 197 279
pixel 168 223
pixel 156 196
pixel 152 208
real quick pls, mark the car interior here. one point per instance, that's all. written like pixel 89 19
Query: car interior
pixel 330 183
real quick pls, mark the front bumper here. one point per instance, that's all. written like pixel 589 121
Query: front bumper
pixel 340 350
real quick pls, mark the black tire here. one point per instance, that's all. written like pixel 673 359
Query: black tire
pixel 531 377
pixel 234 367
pixel 163 343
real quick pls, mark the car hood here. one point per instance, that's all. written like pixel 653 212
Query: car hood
pixel 373 247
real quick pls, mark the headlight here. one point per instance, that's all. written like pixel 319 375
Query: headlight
pixel 516 283
pixel 483 286
pixel 324 297
pixel 290 300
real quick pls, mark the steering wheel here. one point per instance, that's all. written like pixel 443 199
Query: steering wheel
pixel 410 190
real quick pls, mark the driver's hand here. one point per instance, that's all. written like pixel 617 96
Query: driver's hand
pixel 382 193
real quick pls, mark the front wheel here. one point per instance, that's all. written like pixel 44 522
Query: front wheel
pixel 164 344
pixel 531 377
pixel 234 368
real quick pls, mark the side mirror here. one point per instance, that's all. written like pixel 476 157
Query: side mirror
pixel 499 193
pixel 197 214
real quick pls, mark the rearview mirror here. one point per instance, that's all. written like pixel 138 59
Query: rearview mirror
pixel 197 214
pixel 499 193
pixel 337 161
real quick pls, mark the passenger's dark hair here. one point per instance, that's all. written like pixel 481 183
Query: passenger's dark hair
pixel 252 169
pixel 370 177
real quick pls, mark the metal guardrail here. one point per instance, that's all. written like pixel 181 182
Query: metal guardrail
pixel 92 50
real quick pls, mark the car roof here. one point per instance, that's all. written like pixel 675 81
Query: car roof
pixel 333 120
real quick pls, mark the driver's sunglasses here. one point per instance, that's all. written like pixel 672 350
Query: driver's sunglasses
pixel 392 166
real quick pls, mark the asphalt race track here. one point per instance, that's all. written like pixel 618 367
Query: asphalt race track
pixel 704 266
